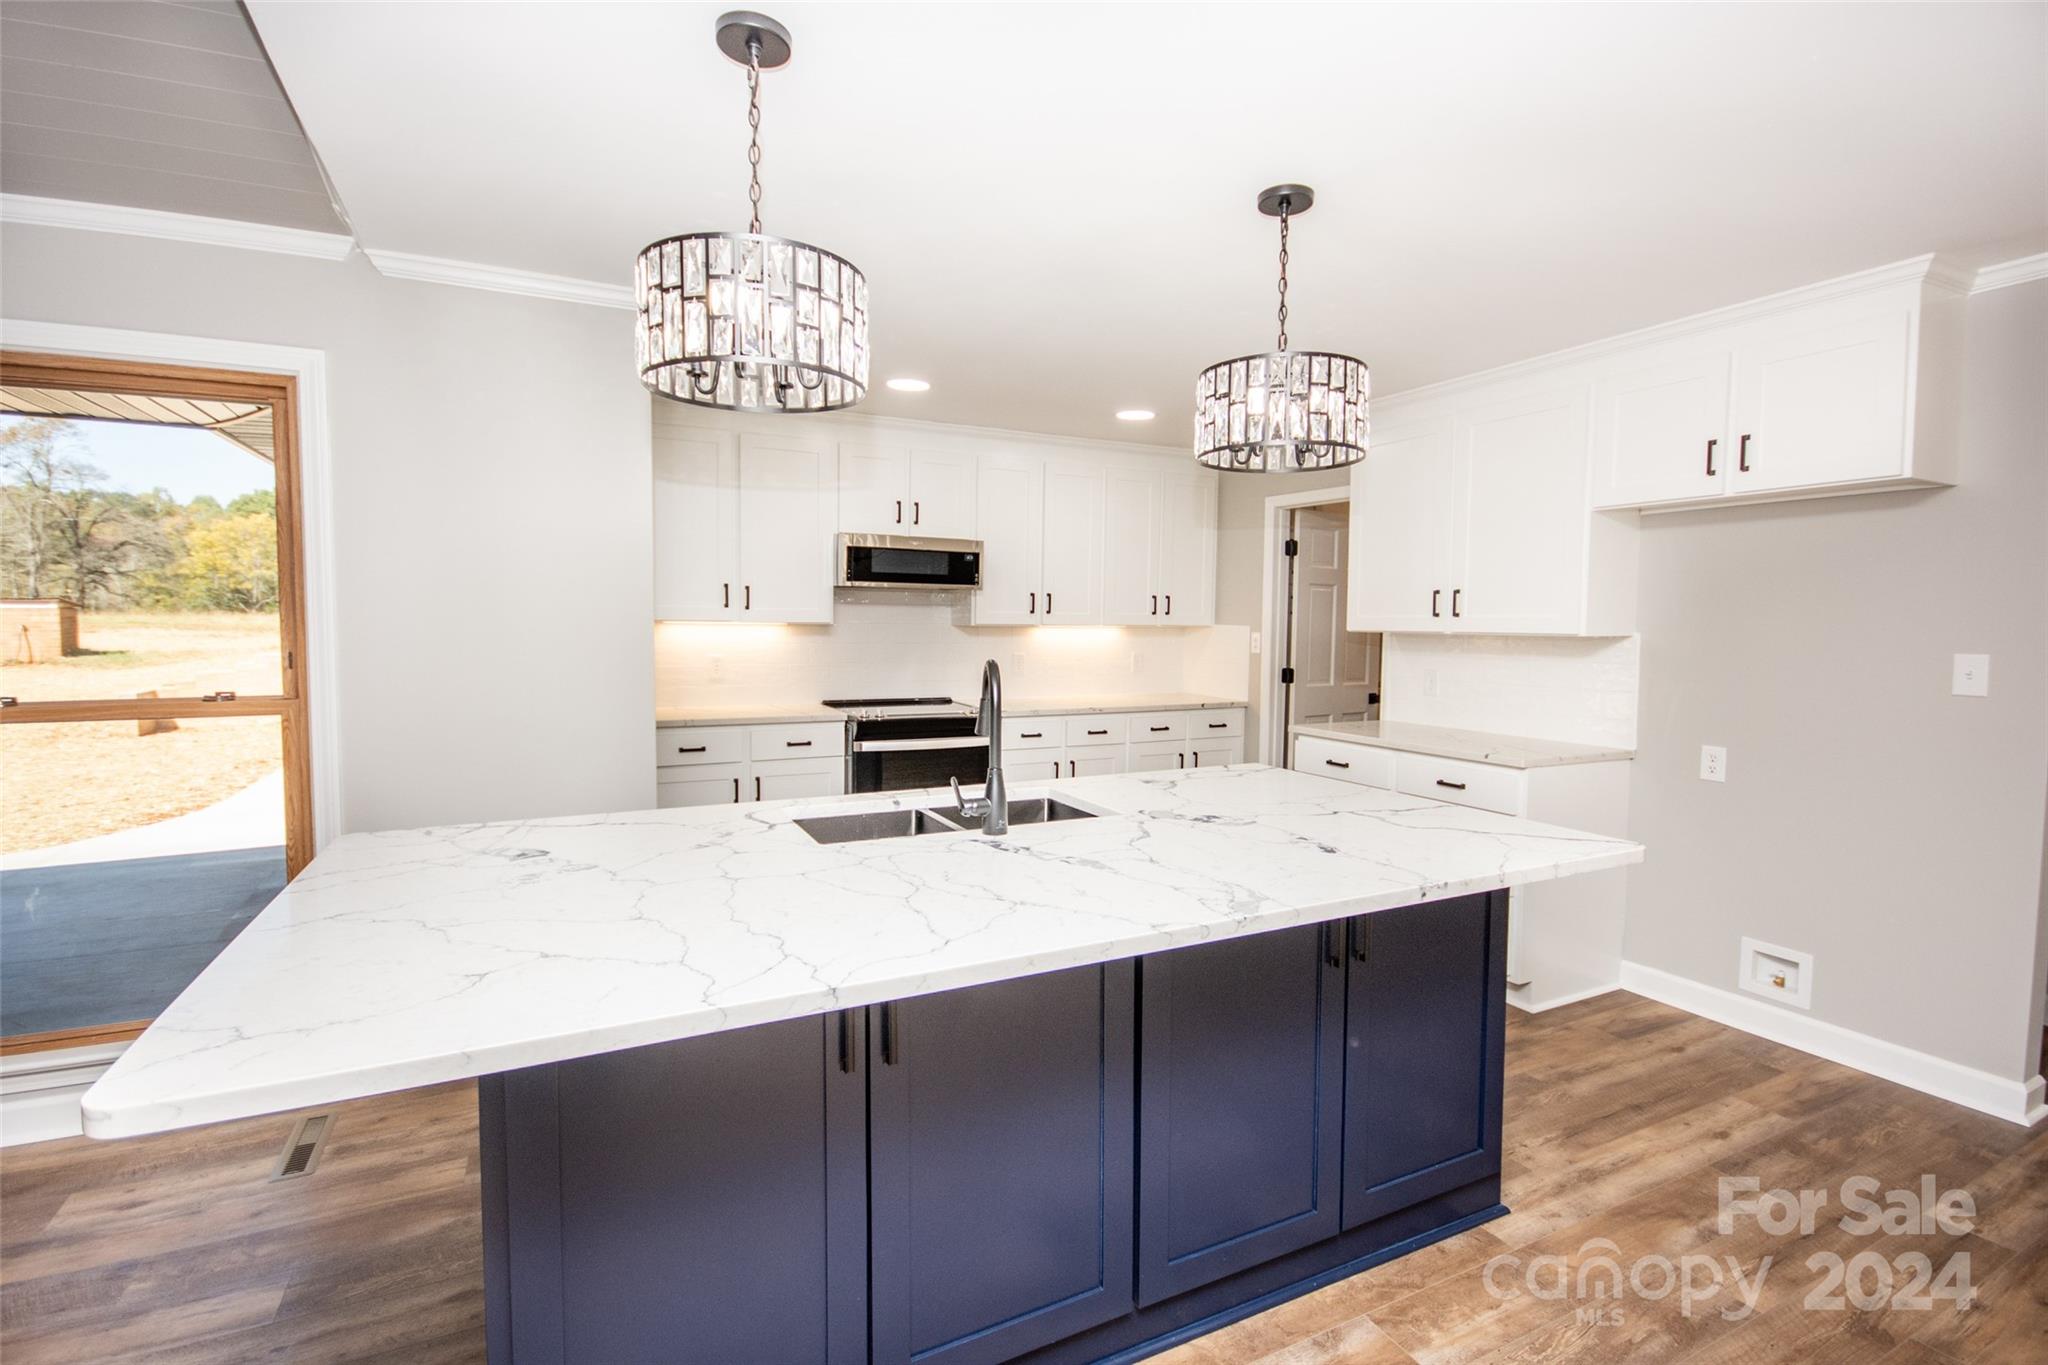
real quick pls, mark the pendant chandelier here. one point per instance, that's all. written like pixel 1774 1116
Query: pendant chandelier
pixel 1283 411
pixel 744 320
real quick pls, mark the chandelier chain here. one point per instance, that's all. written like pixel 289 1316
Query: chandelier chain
pixel 754 130
pixel 1283 276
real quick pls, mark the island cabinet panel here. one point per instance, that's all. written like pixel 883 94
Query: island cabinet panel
pixel 1000 1158
pixel 1240 1104
pixel 1425 1042
pixel 703 1200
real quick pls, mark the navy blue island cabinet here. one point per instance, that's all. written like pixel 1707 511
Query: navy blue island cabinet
pixel 1090 1164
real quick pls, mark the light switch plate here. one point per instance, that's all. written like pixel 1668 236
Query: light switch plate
pixel 1713 763
pixel 1972 676
pixel 1255 642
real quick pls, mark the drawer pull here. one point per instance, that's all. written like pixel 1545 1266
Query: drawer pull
pixel 1219 725
pixel 1159 728
pixel 796 743
pixel 1454 786
pixel 1331 762
pixel 1098 732
pixel 1031 734
pixel 692 749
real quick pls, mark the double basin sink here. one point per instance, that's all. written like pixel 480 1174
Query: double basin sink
pixel 904 824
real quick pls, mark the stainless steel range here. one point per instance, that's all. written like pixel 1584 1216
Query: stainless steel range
pixel 902 743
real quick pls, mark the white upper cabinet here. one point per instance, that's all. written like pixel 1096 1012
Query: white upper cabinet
pixel 1401 528
pixel 1519 525
pixel 1131 518
pixel 1660 431
pixel 1851 392
pixel 893 488
pixel 1011 524
pixel 1186 548
pixel 742 526
pixel 1072 574
pixel 1159 546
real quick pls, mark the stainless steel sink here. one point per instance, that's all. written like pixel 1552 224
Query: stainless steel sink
pixel 903 824
pixel 1034 810
pixel 874 824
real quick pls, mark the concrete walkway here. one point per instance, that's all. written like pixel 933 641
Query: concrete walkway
pixel 252 818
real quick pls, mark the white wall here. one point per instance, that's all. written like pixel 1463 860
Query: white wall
pixel 1869 817
pixel 491 479
pixel 1581 690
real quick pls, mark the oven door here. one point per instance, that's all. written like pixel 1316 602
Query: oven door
pixel 908 766
pixel 871 561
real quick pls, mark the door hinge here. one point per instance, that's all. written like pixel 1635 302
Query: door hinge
pixel 1286 675
pixel 1293 548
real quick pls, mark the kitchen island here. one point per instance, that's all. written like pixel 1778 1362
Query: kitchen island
pixel 1067 1094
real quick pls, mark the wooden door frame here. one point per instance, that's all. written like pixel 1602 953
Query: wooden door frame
pixel 291 705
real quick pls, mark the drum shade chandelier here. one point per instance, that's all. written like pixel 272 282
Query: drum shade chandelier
pixel 1282 411
pixel 744 320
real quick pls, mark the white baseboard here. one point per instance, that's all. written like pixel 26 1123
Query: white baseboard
pixel 39 1091
pixel 2014 1101
pixel 1558 1002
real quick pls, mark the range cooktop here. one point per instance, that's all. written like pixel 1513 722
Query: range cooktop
pixel 884 708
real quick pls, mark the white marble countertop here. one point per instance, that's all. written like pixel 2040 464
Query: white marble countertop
pixel 409 958
pixel 768 714
pixel 1506 751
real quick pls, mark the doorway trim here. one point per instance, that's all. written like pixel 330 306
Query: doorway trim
pixel 1273 608
pixel 316 500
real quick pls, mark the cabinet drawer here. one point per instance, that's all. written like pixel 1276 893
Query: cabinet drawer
pixel 1151 725
pixel 1358 763
pixel 1034 732
pixel 823 739
pixel 1082 730
pixel 1460 783
pixel 675 746
pixel 1216 724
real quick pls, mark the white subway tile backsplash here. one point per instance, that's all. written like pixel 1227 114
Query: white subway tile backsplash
pixel 1568 688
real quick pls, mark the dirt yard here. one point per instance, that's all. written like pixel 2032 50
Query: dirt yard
pixel 72 780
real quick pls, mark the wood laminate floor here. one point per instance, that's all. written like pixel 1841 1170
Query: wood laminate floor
pixel 1623 1115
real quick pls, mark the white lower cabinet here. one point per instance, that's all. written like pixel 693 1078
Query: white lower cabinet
pixel 715 765
pixel 1215 753
pixel 709 784
pixel 1564 937
pixel 1098 760
pixel 1158 756
pixel 782 779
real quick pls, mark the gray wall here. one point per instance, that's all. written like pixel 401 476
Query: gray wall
pixel 491 508
pixel 1240 566
pixel 1869 817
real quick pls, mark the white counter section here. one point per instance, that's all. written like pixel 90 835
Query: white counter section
pixel 1477 746
pixel 409 958
pixel 1083 704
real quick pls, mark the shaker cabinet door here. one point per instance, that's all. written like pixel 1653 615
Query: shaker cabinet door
pixel 1817 406
pixel 1400 531
pixel 1000 1165
pixel 942 502
pixel 696 518
pixel 788 504
pixel 1010 521
pixel 1520 532
pixel 1660 433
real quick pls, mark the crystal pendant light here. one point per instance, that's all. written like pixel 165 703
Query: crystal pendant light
pixel 1283 411
pixel 744 320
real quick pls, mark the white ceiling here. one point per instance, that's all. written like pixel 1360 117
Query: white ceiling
pixel 1053 203
pixel 154 105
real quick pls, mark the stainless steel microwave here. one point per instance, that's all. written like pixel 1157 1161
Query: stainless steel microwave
pixel 875 561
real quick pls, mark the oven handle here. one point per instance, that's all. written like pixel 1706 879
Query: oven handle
pixel 897 746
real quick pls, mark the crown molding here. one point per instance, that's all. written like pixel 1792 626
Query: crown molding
pixel 2008 273
pixel 403 265
pixel 35 211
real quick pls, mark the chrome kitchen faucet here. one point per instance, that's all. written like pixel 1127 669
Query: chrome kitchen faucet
pixel 993 805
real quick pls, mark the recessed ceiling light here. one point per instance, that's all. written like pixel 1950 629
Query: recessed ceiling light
pixel 1136 415
pixel 909 385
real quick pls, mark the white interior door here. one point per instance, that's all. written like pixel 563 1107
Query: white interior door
pixel 874 486
pixel 1660 434
pixel 1820 406
pixel 942 494
pixel 1331 663
pixel 1010 519
pixel 1073 544
pixel 1187 549
pixel 788 497
pixel 696 511
pixel 1133 520
pixel 1520 537
pixel 1400 531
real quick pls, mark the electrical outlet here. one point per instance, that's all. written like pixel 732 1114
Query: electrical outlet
pixel 1428 682
pixel 1713 763
pixel 1972 676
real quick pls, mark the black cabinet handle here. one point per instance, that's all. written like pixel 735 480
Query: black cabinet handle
pixel 1454 786
pixel 1456 593
pixel 847 1063
pixel 1219 725
pixel 796 743
pixel 1098 732
pixel 757 789
pixel 1742 454
pixel 735 791
pixel 1032 734
pixel 1712 441
pixel 916 513
pixel 692 749
pixel 727 589
pixel 1157 728
pixel 1198 758
pixel 1435 596
pixel 889 1027
pixel 1155 604
pixel 1330 953
pixel 899 511
pixel 1034 604
pixel 1048 602
pixel 749 605
pixel 1169 604
pixel 1357 936
pixel 1070 768
pixel 1335 764
pixel 1183 759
